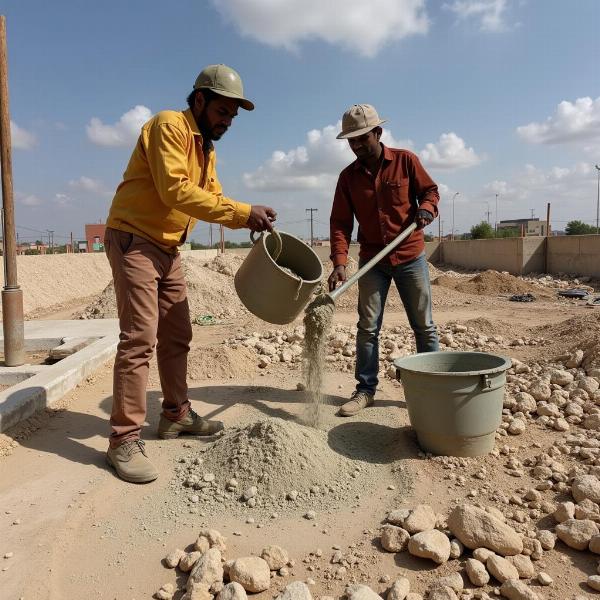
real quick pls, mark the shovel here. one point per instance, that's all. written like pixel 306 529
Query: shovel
pixel 331 296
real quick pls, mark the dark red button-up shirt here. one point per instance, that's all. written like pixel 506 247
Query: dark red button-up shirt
pixel 383 205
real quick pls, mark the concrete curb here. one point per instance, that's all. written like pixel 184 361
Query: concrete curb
pixel 46 384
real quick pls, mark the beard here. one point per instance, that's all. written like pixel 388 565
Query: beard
pixel 210 133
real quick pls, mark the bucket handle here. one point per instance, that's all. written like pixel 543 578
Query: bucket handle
pixel 278 242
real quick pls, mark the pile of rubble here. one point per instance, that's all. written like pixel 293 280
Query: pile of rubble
pixel 285 346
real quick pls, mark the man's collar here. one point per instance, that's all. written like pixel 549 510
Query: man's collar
pixel 194 127
pixel 387 156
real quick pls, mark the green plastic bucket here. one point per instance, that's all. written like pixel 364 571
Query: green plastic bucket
pixel 454 399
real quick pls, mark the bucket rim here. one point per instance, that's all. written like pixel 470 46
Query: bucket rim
pixel 506 364
pixel 263 241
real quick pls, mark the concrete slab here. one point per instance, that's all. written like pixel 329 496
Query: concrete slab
pixel 40 386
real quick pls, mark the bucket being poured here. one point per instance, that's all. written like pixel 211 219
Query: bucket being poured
pixel 454 399
pixel 278 277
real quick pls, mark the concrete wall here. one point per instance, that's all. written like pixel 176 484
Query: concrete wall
pixel 575 254
pixel 500 255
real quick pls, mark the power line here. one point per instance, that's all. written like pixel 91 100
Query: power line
pixel 311 211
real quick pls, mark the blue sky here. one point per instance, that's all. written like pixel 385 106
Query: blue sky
pixel 495 96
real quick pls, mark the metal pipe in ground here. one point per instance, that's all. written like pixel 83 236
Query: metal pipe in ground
pixel 12 295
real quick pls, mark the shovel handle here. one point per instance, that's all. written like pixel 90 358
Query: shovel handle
pixel 367 266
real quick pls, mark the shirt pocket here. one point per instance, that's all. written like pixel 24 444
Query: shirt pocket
pixel 396 192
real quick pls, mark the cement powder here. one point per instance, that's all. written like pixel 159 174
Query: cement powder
pixel 317 323
pixel 293 468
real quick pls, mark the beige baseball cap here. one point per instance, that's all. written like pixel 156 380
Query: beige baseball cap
pixel 225 81
pixel 359 119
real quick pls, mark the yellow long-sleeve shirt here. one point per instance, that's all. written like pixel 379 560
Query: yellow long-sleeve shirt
pixel 169 185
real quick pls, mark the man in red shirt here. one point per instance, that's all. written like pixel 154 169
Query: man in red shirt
pixel 385 190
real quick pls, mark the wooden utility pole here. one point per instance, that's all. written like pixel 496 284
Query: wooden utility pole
pixel 222 232
pixel 12 294
pixel 547 240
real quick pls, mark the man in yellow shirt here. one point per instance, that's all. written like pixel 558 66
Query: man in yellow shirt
pixel 170 183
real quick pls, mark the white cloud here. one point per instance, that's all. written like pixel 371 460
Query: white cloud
pixel 313 166
pixel 490 13
pixel 123 133
pixel 87 184
pixel 450 152
pixel 28 199
pixel 22 139
pixel 62 200
pixel 363 27
pixel 572 122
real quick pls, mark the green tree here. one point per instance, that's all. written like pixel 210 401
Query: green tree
pixel 508 232
pixel 579 228
pixel 483 231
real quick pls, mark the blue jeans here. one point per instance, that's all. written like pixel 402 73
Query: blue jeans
pixel 412 282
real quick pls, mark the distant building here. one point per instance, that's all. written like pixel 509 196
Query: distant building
pixel 94 237
pixel 530 227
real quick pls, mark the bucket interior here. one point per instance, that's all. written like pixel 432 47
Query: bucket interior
pixel 296 256
pixel 454 363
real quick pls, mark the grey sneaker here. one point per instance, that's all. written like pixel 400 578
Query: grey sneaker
pixel 357 402
pixel 131 462
pixel 192 424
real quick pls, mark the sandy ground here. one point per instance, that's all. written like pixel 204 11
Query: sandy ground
pixel 76 531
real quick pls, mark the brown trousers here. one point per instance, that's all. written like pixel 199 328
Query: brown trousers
pixel 153 307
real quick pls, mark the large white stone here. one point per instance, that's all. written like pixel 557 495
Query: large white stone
pixel 476 528
pixel 432 544
pixel 577 534
pixel 251 572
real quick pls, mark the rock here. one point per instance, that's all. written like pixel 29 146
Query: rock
pixel 594 545
pixel 476 572
pixel 442 593
pixel 544 579
pixel 586 486
pixel 564 511
pixel 546 538
pixel 166 592
pixel 560 377
pixel 432 544
pixel 215 539
pixel 252 572
pixel 456 548
pixel 420 518
pixel 394 539
pixel 533 548
pixel 586 509
pixel 172 559
pixel 501 569
pixel 574 360
pixel 232 591
pixel 517 427
pixel 414 596
pixel 360 592
pixel 517 590
pixel 297 590
pixel 399 590
pixel 188 560
pixel 589 384
pixel 275 556
pixel 525 402
pixel 540 390
pixel 592 422
pixel 396 517
pixel 454 581
pixel 523 565
pixel 207 570
pixel 482 554
pixel 202 544
pixel 476 528
pixel 594 582
pixel 577 534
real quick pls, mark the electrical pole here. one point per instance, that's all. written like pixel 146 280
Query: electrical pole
pixel 453 197
pixel 222 232
pixel 12 295
pixel 311 211
pixel 210 235
pixel 532 213
pixel 488 213
pixel 496 223
pixel 598 202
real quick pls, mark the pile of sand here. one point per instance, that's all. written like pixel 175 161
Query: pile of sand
pixel 221 362
pixel 487 283
pixel 210 290
pixel 292 468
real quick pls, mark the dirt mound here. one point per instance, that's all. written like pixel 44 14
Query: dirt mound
pixel 226 264
pixel 491 328
pixel 274 464
pixel 487 283
pixel 221 362
pixel 210 291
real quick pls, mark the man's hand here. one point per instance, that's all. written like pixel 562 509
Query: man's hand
pixel 261 218
pixel 338 275
pixel 424 217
